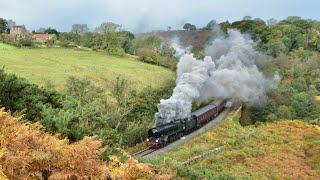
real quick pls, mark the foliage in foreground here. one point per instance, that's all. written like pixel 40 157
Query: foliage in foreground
pixel 26 152
pixel 280 150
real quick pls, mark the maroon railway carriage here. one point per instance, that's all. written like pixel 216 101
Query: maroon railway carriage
pixel 207 113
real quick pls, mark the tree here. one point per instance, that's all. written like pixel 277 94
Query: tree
pixel 224 26
pixel 259 20
pixel 41 30
pixel 211 24
pixel 246 18
pixel 107 27
pixel 10 23
pixel 189 26
pixel 293 18
pixel 274 47
pixel 198 51
pixel 51 31
pixel 193 27
pixel 303 104
pixel 3 25
pixel 79 29
pixel 272 22
pixel 127 44
pixel 153 42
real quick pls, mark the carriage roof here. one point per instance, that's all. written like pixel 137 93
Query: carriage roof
pixel 207 108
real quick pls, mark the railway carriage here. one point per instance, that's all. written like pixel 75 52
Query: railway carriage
pixel 163 134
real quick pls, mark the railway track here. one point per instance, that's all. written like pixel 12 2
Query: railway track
pixel 144 152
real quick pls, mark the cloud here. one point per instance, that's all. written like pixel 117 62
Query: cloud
pixel 152 14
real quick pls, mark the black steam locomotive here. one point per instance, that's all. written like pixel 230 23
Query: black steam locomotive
pixel 161 135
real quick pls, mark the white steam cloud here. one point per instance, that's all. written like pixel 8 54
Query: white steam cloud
pixel 228 71
pixel 179 50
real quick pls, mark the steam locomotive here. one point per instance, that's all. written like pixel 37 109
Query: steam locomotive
pixel 163 134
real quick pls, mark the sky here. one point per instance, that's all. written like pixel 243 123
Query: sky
pixel 148 15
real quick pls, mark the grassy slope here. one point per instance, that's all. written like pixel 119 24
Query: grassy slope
pixel 280 150
pixel 41 65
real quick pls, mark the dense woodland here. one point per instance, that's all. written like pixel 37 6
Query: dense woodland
pixel 120 118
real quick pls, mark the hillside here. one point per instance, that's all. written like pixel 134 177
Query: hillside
pixel 281 150
pixel 57 64
pixel 186 38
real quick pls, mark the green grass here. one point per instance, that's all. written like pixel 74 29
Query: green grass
pixel 57 64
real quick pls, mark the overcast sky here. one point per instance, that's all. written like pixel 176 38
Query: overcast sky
pixel 146 15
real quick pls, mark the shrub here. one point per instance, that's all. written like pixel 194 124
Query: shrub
pixel 17 94
pixel 117 51
pixel 74 120
pixel 299 84
pixel 285 112
pixel 303 104
pixel 82 89
pixel 25 42
pixel 150 56
pixel 29 153
pixel 147 55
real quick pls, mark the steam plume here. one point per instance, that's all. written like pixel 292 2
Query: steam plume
pixel 179 50
pixel 228 71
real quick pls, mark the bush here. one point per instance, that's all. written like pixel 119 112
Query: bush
pixel 2 38
pixel 116 51
pixel 285 112
pixel 82 89
pixel 303 104
pixel 147 55
pixel 25 42
pixel 168 62
pixel 183 171
pixel 17 94
pixel 299 84
pixel 29 153
pixel 74 120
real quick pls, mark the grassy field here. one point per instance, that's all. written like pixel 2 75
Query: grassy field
pixel 280 150
pixel 57 64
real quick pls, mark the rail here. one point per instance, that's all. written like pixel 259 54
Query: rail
pixel 144 152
